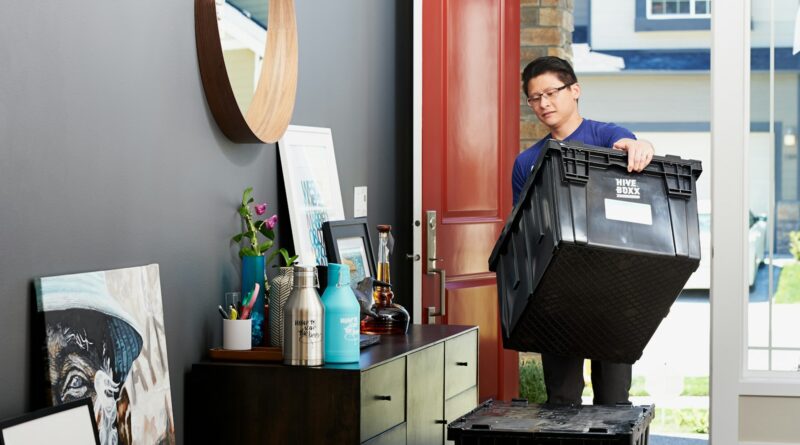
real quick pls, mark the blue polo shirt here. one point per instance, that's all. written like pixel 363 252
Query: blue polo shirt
pixel 600 134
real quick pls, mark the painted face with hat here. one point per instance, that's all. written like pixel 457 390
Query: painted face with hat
pixel 91 344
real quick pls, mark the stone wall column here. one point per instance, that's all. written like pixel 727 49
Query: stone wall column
pixel 545 30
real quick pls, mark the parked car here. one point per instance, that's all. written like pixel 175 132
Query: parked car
pixel 701 278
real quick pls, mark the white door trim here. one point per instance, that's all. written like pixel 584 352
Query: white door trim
pixel 417 165
pixel 730 127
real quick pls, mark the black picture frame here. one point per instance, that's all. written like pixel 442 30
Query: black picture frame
pixel 337 233
pixel 46 412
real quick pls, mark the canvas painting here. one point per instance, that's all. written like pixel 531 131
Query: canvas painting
pixel 105 340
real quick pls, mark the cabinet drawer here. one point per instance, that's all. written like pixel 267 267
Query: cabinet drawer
pixel 395 436
pixel 383 398
pixel 460 363
pixel 460 404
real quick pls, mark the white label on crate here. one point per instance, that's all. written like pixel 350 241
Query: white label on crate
pixel 629 212
pixel 628 188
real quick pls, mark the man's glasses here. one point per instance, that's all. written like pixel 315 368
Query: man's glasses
pixel 550 94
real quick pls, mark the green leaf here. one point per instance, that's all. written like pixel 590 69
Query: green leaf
pixel 266 231
pixel 237 238
pixel 247 251
pixel 289 260
pixel 272 257
pixel 264 247
pixel 246 195
pixel 243 211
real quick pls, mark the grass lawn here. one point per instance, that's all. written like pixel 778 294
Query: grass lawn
pixel 686 420
pixel 667 420
pixel 789 285
pixel 695 386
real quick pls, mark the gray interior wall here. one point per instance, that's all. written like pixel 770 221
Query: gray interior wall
pixel 109 156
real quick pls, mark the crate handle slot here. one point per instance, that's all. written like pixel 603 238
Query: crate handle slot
pixel 480 426
pixel 595 429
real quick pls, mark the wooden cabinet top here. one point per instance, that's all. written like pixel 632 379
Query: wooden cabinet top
pixel 390 347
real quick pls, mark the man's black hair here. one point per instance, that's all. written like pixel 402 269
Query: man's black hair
pixel 548 64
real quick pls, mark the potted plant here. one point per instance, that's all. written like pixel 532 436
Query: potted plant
pixel 254 242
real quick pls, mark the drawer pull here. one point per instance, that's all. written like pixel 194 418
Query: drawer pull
pixel 462 364
pixel 387 398
pixel 441 421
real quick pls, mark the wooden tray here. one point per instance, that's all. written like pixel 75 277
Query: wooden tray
pixel 257 354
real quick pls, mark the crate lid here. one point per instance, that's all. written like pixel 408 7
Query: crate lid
pixel 582 157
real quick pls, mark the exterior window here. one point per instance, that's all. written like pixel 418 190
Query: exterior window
pixel 678 9
pixel 773 235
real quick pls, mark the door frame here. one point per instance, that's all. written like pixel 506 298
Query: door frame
pixel 730 113
pixel 730 117
pixel 416 225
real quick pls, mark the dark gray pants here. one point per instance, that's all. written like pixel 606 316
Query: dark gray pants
pixel 563 379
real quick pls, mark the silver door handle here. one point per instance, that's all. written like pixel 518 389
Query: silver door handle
pixel 433 269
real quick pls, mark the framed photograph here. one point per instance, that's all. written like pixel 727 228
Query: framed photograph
pixel 312 188
pixel 72 423
pixel 347 242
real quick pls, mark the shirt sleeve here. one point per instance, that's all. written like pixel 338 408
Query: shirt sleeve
pixel 614 132
pixel 517 181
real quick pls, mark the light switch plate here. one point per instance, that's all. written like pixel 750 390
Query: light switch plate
pixel 359 202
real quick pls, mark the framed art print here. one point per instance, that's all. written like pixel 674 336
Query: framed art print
pixel 348 242
pixel 312 188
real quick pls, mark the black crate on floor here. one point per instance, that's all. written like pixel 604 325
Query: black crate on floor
pixel 517 423
pixel 592 257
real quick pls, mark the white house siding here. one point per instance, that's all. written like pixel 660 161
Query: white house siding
pixel 613 27
pixel 685 98
pixel 677 97
pixel 627 97
pixel 240 64
pixel 785 11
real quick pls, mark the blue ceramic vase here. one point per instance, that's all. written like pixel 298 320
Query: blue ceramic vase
pixel 252 273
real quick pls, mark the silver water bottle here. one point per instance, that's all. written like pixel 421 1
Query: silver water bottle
pixel 303 319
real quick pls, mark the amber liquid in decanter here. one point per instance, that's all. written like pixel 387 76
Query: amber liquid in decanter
pixel 389 318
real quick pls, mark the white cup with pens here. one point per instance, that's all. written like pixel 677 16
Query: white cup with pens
pixel 237 327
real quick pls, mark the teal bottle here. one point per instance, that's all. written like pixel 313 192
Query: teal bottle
pixel 342 317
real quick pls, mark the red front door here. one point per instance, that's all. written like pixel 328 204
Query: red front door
pixel 470 136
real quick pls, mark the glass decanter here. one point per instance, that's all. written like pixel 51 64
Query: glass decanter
pixel 388 317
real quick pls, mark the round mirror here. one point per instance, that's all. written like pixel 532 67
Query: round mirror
pixel 247 50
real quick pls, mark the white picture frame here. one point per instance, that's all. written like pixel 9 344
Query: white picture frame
pixel 72 423
pixel 312 188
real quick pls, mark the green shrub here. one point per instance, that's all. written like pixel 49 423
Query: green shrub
pixel 638 387
pixel 794 244
pixel 531 381
pixel 788 291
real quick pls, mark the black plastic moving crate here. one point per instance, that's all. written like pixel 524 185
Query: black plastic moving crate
pixel 517 423
pixel 592 257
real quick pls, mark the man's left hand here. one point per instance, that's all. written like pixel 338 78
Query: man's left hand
pixel 640 153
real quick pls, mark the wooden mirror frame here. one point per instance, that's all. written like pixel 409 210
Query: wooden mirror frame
pixel 273 101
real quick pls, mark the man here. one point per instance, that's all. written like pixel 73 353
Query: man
pixel 553 92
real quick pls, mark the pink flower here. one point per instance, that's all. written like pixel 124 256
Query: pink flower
pixel 261 208
pixel 272 221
